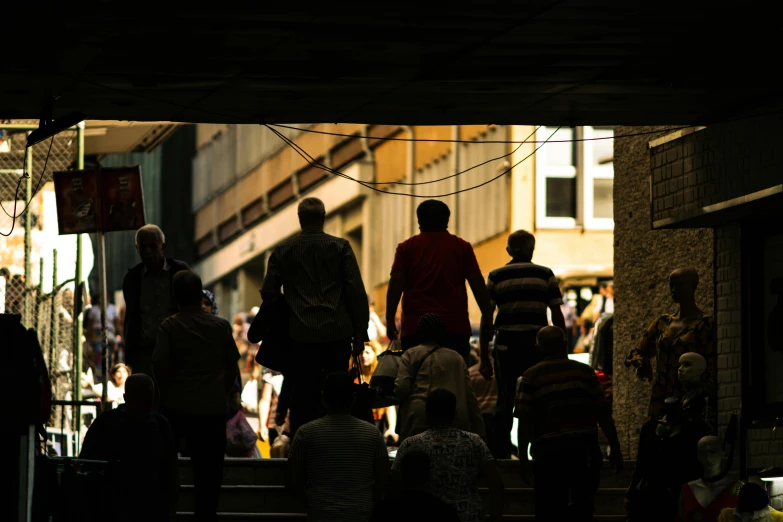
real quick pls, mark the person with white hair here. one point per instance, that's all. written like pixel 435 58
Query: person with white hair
pixel 147 290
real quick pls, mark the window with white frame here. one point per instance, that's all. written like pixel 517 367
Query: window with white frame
pixel 574 179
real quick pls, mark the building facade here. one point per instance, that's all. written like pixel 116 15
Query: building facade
pixel 709 198
pixel 246 183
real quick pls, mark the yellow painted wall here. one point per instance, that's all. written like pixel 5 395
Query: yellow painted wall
pixel 391 160
pixel 428 151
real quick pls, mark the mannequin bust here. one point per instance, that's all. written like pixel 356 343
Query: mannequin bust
pixel 698 398
pixel 703 499
pixel 670 336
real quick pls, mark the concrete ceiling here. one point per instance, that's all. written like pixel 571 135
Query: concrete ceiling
pixel 566 62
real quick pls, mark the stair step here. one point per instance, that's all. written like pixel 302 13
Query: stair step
pixel 297 517
pixel 274 499
pixel 270 472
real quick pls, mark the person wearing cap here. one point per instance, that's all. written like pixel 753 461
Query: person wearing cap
pixel 429 366
pixel 338 462
pixel 752 506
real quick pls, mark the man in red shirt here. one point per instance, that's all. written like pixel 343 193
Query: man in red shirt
pixel 429 273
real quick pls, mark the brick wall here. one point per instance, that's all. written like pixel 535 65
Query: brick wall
pixel 643 260
pixel 716 164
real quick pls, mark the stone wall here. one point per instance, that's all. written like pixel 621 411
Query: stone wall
pixel 716 164
pixel 643 260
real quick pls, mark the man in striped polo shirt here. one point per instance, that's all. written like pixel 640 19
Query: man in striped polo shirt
pixel 559 406
pixel 522 291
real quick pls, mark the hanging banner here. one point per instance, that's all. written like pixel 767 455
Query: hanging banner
pixel 99 200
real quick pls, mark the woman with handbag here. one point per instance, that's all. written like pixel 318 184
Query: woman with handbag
pixel 430 366
pixel 385 418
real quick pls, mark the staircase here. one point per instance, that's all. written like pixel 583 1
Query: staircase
pixel 253 490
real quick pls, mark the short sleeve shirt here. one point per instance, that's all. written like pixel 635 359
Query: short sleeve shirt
pixel 196 347
pixel 436 266
pixel 456 459
pixel 523 293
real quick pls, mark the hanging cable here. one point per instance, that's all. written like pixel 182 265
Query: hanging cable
pixel 25 175
pixel 310 160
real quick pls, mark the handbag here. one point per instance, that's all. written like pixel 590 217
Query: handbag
pixel 240 437
pixel 385 374
pixel 364 399
pixel 270 330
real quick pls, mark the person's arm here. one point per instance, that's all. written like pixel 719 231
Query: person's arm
pixel 273 280
pixel 474 412
pixel 391 419
pixel 355 297
pixel 264 405
pixel 486 333
pixel 605 420
pixel 381 471
pixel 403 385
pixel 378 325
pixel 297 471
pixel 495 486
pixel 524 412
pixel 393 296
pixel 645 350
pixel 161 360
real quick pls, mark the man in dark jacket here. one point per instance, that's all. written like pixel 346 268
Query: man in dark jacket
pixel 148 296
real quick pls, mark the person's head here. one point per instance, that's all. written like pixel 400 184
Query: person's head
pixel 208 303
pixel 441 407
pixel 610 289
pixel 187 290
pixel 120 374
pixel 415 469
pixel 433 215
pixel 370 301
pixel 753 503
pixel 521 245
pixel 338 392
pixel 551 343
pixel 369 359
pixel 431 329
pixel 710 456
pixel 4 272
pixel 682 284
pixel 312 213
pixel 139 392
pixel 691 367
pixel 150 243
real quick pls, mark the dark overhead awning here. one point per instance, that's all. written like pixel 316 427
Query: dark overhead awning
pixel 551 62
pixel 766 203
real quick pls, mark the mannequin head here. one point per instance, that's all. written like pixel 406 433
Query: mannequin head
pixel 691 368
pixel 710 456
pixel 682 284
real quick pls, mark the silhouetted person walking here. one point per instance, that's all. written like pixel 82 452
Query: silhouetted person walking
pixel 559 406
pixel 430 366
pixel 415 503
pixel 429 274
pixel 522 291
pixel 195 364
pixel 328 306
pixel 140 447
pixel 147 290
pixel 457 459
pixel 339 462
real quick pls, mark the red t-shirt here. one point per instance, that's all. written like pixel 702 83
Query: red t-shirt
pixel 435 265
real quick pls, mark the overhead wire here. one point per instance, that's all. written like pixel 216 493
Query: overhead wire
pixel 25 175
pixel 319 165
pixel 316 163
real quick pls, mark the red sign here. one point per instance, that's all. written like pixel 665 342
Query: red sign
pixel 107 200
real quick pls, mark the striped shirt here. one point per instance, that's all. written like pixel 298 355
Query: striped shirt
pixel 322 286
pixel 340 454
pixel 523 292
pixel 562 399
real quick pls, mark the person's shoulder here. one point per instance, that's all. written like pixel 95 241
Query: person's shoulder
pixel 134 271
pixel 177 265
